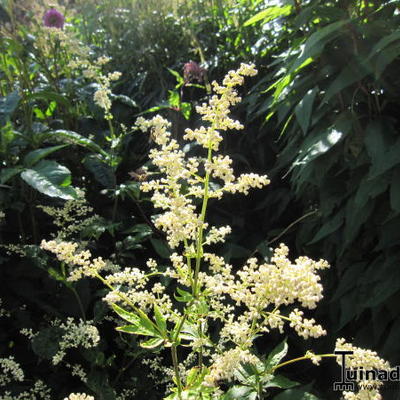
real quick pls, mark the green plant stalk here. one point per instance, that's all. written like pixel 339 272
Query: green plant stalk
pixel 78 299
pixel 199 245
pixel 174 354
pixel 301 359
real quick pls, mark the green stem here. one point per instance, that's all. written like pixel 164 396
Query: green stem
pixel 78 299
pixel 307 357
pixel 199 250
pixel 176 370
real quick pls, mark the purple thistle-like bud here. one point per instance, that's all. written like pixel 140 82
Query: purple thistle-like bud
pixel 193 71
pixel 53 19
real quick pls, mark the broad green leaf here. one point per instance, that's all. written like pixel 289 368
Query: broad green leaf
pixel 269 14
pixel 7 173
pixel 141 324
pixel 385 41
pixel 281 382
pixel 384 154
pixel 384 288
pixel 138 330
pixel 152 343
pixel 376 140
pixel 323 141
pixel 160 320
pixel 371 188
pixel 102 172
pixel 124 100
pixel 8 105
pixel 51 179
pixel 174 98
pixel 240 393
pixel 188 331
pixel 385 58
pixel 348 279
pixel 126 315
pixel 330 226
pixel 304 109
pixel 355 70
pixel 51 96
pixel 184 296
pixel 195 377
pixel 186 109
pixel 76 138
pixel 161 248
pixel 34 156
pixel 276 355
pixel 355 218
pixel 316 42
pixel 46 343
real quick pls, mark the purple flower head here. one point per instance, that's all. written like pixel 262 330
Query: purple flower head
pixel 53 19
pixel 193 71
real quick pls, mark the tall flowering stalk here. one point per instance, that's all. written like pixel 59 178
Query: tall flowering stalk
pixel 208 294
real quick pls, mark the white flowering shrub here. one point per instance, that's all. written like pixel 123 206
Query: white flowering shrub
pixel 213 312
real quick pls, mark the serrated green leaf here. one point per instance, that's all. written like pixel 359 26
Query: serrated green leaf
pixel 126 315
pixel 160 320
pixel 152 343
pixel 51 179
pixel 36 155
pixel 276 355
pixel 184 296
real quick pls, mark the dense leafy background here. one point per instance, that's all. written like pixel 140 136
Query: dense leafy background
pixel 321 119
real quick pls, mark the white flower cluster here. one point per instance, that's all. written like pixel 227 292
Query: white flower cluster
pixel 39 391
pixel 182 182
pixel 77 370
pixel 84 265
pixel 81 334
pixel 10 371
pixel 79 396
pixel 103 93
pixel 224 365
pixel 72 217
